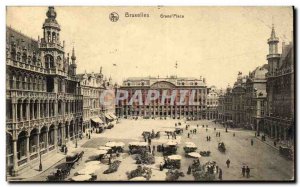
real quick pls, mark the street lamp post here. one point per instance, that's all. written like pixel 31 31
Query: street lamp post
pixel 76 141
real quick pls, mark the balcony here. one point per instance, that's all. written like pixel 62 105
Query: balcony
pixel 273 56
pixel 52 45
pixel 32 94
pixel 25 66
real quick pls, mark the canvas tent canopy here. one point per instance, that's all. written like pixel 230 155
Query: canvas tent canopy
pixel 97 120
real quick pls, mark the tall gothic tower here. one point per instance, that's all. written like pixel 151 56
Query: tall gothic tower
pixel 273 57
pixel 273 61
pixel 51 50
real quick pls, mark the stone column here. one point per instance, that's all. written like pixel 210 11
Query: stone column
pixel 38 110
pixel 15 158
pixel 21 112
pixel 28 111
pixel 46 141
pixel 47 109
pixel 14 112
pixel 27 148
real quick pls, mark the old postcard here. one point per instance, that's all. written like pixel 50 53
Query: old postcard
pixel 150 94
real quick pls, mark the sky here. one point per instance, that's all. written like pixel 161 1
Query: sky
pixel 213 42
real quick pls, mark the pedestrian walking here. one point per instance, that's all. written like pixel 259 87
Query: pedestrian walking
pixel 243 171
pixel 275 143
pixel 215 129
pixel 168 136
pixel 197 125
pixel 226 129
pixel 175 136
pixel 217 169
pixel 207 138
pixel 248 172
pixel 217 134
pixel 234 134
pixel 188 135
pixel 228 163
pixel 161 167
pixel 251 142
pixel 220 174
pixel 109 160
pixel 189 170
pixel 149 148
pixel 153 148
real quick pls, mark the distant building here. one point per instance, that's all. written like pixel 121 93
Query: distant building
pixel 280 111
pixel 92 86
pixel 156 108
pixel 212 103
pixel 43 99
pixel 255 98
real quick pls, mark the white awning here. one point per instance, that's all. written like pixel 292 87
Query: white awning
pixel 108 116
pixel 113 116
pixel 97 120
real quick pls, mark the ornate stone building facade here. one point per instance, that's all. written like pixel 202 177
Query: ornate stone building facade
pixel 92 86
pixel 255 98
pixel 280 114
pixel 156 108
pixel 95 111
pixel 212 103
pixel 43 99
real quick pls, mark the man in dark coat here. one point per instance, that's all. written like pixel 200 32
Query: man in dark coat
pixel 228 163
pixel 243 171
pixel 220 174
pixel 248 172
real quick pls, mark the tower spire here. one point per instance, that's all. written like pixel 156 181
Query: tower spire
pixel 73 57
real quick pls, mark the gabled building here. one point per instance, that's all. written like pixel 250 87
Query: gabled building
pixel 255 98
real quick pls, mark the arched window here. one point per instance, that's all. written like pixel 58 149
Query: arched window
pixel 29 59
pixel 53 37
pixel 49 36
pixel 34 59
pixel 49 61
pixel 24 58
pixel 13 53
pixel 59 62
pixel 18 56
pixel 24 83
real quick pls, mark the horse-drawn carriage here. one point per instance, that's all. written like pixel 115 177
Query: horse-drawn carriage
pixel 72 158
pixel 137 147
pixel 286 152
pixel 178 130
pixel 221 147
pixel 189 147
pixel 172 162
pixel 116 147
pixel 205 153
pixel 59 174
